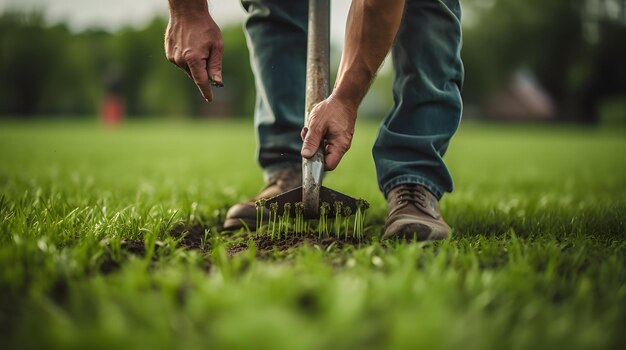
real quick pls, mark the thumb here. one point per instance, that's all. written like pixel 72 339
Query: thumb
pixel 311 142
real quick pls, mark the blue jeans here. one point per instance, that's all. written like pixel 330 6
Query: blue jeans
pixel 428 74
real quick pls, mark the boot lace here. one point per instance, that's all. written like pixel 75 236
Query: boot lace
pixel 410 193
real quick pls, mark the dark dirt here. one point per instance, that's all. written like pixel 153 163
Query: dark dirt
pixel 188 236
pixel 265 245
pixel 196 236
pixel 193 236
pixel 130 246
pixel 133 246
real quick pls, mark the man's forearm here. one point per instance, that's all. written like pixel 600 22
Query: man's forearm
pixel 188 7
pixel 370 30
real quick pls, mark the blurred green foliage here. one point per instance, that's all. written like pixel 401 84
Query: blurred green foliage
pixel 573 47
pixel 42 69
pixel 48 69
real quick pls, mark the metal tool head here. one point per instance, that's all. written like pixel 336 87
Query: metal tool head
pixel 348 204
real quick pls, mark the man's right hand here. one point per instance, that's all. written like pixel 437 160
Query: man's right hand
pixel 193 42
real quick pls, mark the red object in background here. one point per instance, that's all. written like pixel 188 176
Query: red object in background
pixel 112 110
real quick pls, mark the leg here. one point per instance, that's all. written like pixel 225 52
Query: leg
pixel 276 31
pixel 427 101
pixel 276 34
pixel 427 109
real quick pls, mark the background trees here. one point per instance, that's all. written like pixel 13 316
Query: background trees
pixel 574 49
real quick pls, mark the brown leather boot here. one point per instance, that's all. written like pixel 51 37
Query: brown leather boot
pixel 413 212
pixel 279 181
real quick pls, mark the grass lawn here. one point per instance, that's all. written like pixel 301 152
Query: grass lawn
pixel 110 239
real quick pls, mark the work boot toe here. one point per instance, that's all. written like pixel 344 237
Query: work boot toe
pixel 410 228
pixel 240 215
pixel 280 181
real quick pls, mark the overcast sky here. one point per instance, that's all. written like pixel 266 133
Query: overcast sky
pixel 112 14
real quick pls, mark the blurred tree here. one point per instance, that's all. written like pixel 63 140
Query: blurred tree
pixel 47 69
pixel 33 64
pixel 238 78
pixel 606 74
pixel 50 70
pixel 548 37
pixel 574 48
pixel 138 53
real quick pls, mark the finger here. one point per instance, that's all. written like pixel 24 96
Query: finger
pixel 311 142
pixel 303 133
pixel 181 63
pixel 215 63
pixel 333 156
pixel 199 74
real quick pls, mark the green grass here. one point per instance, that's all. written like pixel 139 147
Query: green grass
pixel 536 260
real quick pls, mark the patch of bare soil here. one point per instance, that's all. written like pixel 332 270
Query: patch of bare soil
pixel 129 246
pixel 197 236
pixel 193 236
pixel 265 244
pixel 189 236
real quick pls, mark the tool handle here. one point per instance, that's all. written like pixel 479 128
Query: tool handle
pixel 318 55
pixel 317 89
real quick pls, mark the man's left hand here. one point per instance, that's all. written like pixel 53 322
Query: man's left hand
pixel 332 121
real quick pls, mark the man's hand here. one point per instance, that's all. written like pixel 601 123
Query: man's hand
pixel 193 42
pixel 332 121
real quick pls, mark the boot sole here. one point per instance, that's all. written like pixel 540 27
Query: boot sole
pixel 415 231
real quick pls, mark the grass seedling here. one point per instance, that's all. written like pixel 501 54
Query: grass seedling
pixel 359 218
pixel 337 223
pixel 322 225
pixel 280 226
pixel 260 209
pixel 347 211
pixel 204 243
pixel 272 219
pixel 286 219
pixel 299 225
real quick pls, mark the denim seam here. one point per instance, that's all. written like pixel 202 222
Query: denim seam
pixel 411 179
